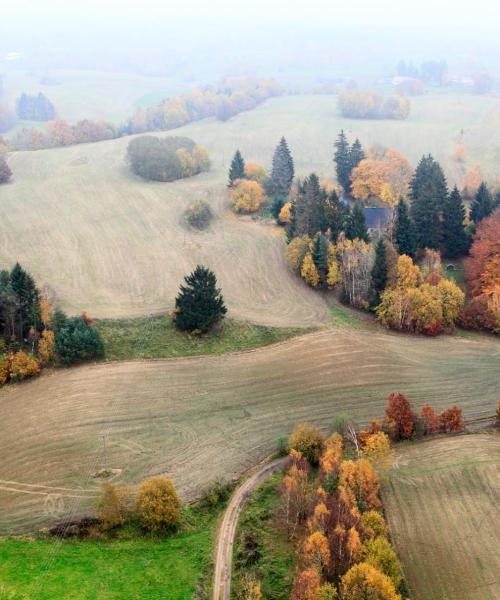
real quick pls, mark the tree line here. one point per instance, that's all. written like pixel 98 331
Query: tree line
pixel 359 104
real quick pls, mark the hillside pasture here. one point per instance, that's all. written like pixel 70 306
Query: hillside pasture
pixel 112 244
pixel 442 506
pixel 200 418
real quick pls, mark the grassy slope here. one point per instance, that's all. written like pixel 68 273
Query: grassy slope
pixel 200 418
pixel 274 569
pixel 158 338
pixel 442 506
pixel 119 569
pixel 111 243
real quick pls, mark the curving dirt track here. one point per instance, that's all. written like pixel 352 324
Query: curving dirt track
pixel 200 418
pixel 227 530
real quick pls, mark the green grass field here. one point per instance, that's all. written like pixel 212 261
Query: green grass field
pixel 277 556
pixel 157 337
pixel 130 566
pixel 442 506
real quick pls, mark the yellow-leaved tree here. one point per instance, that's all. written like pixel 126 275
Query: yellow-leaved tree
pixel 309 272
pixel 246 196
pixel 158 506
pixel 363 581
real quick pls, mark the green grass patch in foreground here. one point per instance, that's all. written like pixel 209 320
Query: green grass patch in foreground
pixel 140 567
pixel 158 338
pixel 273 555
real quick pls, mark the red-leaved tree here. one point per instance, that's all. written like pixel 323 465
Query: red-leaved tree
pixel 399 416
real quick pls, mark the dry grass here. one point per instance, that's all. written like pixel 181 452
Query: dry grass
pixel 443 509
pixel 205 417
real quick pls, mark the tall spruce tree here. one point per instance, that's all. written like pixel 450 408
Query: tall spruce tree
pixel 455 242
pixel 404 230
pixel 342 159
pixel 428 194
pixel 356 224
pixel 237 168
pixel 356 155
pixel 27 301
pixel 320 256
pixel 378 273
pixel 282 171
pixel 199 304
pixel 482 205
pixel 336 214
pixel 309 210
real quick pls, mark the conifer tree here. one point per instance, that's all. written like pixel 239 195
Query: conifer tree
pixel 356 155
pixel 336 214
pixel 309 210
pixel 482 205
pixel 455 240
pixel 320 256
pixel 356 224
pixel 199 305
pixel 378 273
pixel 5 172
pixel 282 171
pixel 342 159
pixel 237 168
pixel 27 301
pixel 404 231
pixel 428 193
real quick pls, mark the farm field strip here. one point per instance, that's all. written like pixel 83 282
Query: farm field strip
pixel 442 505
pixel 200 418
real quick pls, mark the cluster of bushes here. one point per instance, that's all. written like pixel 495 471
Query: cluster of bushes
pixel 35 108
pixel 314 260
pixel 59 133
pixel 33 334
pixel 198 215
pixel 357 104
pixel 166 159
pixel 224 101
pixel 332 511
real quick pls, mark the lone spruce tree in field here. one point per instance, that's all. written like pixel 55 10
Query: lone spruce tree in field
pixel 199 305
pixel 428 194
pixel 404 230
pixel 482 205
pixel 282 171
pixel 379 273
pixel 237 168
pixel 455 241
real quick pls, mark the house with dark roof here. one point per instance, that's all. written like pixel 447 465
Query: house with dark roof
pixel 377 218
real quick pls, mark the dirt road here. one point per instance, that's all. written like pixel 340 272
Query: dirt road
pixel 227 531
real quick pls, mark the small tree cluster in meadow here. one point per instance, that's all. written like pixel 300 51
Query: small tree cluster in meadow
pixel 333 516
pixel 358 104
pixel 166 159
pixel 198 215
pixel 314 260
pixel 156 505
pixel 222 101
pixel 35 108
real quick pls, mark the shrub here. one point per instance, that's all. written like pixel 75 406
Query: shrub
pixel 4 369
pixel 451 419
pixel 198 215
pixel 308 440
pixel 246 196
pixel 47 348
pixel 158 506
pixel 23 366
pixel 76 342
pixel 166 159
pixel 115 505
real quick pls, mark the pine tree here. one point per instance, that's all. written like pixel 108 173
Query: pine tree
pixel 455 242
pixel 282 171
pixel 309 210
pixel 237 168
pixel 77 341
pixel 342 161
pixel 482 205
pixel 379 273
pixel 428 193
pixel 335 215
pixel 320 256
pixel 356 224
pixel 27 300
pixel 356 155
pixel 5 172
pixel 199 304
pixel 404 231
